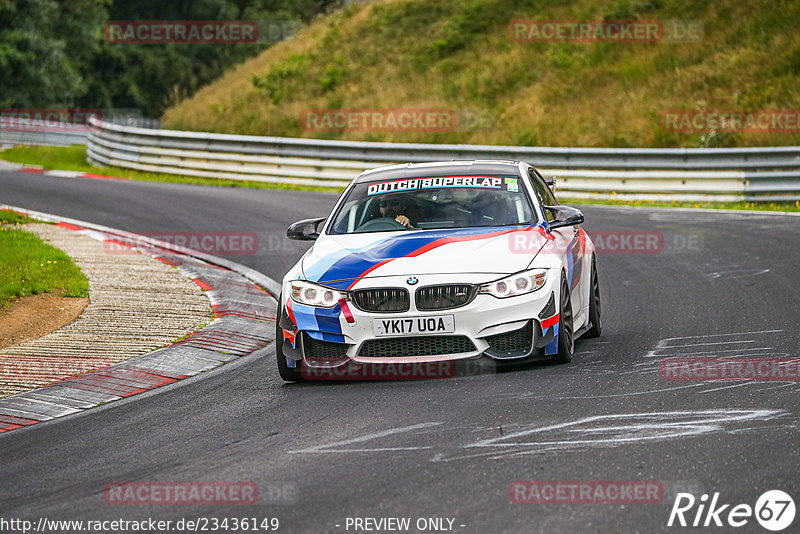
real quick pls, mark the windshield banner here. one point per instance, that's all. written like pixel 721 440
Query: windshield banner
pixel 488 182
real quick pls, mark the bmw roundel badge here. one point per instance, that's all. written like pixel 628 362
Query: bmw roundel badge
pixel 412 281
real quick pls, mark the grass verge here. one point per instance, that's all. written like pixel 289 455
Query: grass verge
pixel 12 217
pixel 29 266
pixel 73 158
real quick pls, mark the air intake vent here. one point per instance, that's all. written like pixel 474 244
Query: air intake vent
pixel 416 346
pixel 315 348
pixel 515 341
pixel 444 297
pixel 381 300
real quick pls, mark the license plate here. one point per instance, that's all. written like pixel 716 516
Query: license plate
pixel 432 324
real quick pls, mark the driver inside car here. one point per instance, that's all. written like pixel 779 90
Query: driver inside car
pixel 399 208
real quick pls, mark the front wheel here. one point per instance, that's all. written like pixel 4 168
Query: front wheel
pixel 289 374
pixel 594 305
pixel 566 337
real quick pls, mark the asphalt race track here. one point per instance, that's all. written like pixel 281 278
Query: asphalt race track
pixel 716 284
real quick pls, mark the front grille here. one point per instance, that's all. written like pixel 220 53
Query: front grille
pixel 315 348
pixel 516 340
pixel 381 300
pixel 416 346
pixel 444 297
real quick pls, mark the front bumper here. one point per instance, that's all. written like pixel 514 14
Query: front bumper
pixel 514 328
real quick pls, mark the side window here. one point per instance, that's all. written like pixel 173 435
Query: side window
pixel 542 192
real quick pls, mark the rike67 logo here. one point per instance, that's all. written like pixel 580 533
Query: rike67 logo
pixel 774 510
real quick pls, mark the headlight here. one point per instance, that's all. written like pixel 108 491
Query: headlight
pixel 516 284
pixel 315 295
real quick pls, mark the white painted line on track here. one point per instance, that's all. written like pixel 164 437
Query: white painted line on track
pixel 328 448
pixel 708 343
pixel 633 429
pixel 665 344
pixel 740 384
pixel 719 351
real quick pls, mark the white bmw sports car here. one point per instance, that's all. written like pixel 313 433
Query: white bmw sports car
pixel 439 262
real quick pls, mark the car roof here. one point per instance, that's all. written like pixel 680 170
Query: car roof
pixel 441 168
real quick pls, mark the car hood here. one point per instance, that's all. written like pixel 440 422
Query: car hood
pixel 337 260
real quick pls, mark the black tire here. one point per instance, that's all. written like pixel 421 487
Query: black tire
pixel 289 374
pixel 594 304
pixel 566 334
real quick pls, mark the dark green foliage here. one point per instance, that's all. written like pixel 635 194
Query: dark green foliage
pixel 39 60
pixel 52 53
pixel 282 78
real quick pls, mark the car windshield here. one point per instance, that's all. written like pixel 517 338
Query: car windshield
pixel 433 203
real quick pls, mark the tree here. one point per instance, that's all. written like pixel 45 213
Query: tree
pixel 52 53
pixel 43 49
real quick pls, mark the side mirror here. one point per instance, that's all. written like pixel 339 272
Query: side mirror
pixel 564 216
pixel 305 230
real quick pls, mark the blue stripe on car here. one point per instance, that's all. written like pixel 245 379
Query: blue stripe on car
pixel 320 323
pixel 329 325
pixel 552 347
pixel 355 263
pixel 316 271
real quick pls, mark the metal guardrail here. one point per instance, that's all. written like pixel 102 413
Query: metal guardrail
pixel 14 131
pixel 45 138
pixel 725 174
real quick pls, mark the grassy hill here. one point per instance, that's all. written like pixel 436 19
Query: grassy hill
pixel 458 55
